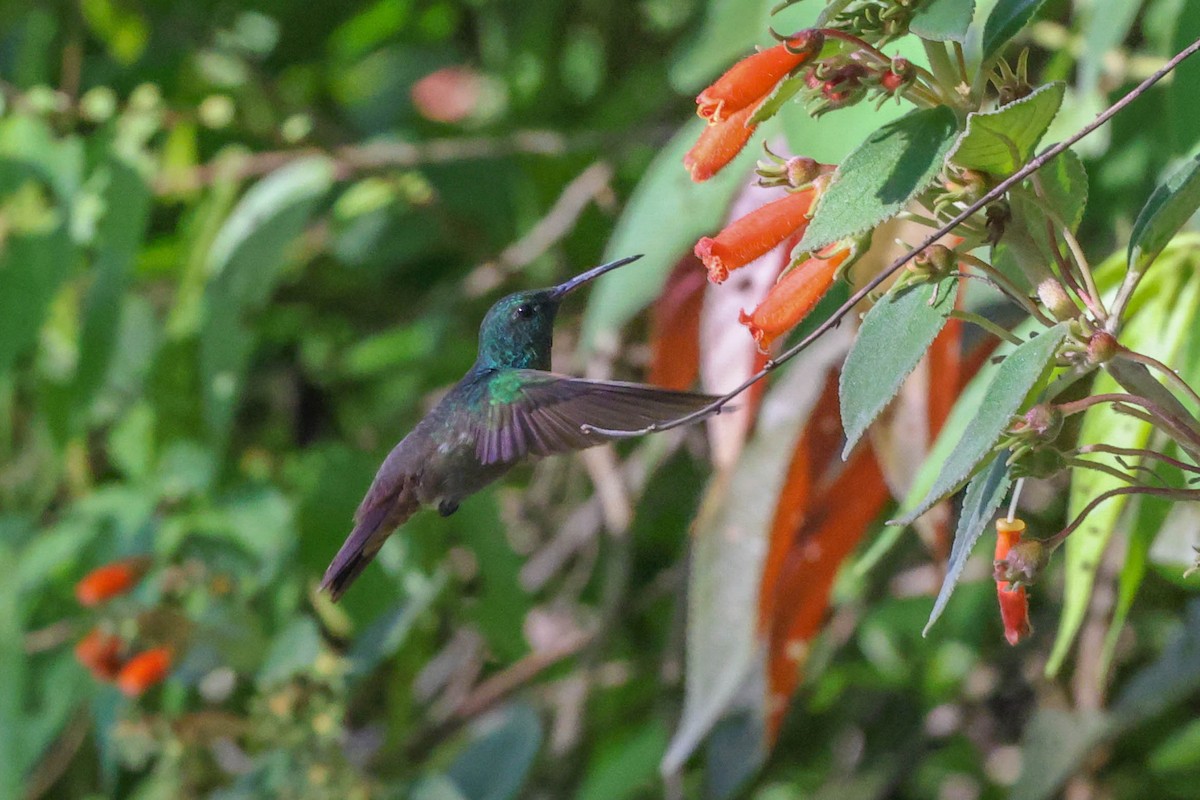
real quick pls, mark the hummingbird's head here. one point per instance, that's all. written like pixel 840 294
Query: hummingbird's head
pixel 518 330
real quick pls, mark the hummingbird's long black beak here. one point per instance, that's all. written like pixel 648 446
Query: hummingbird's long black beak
pixel 564 289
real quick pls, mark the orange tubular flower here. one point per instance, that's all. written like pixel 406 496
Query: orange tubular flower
pixel 719 144
pixel 144 670
pixel 754 77
pixel 100 652
pixel 755 234
pixel 796 294
pixel 110 580
pixel 1014 605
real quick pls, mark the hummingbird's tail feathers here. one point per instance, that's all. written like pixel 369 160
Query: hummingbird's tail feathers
pixel 374 524
pixel 540 413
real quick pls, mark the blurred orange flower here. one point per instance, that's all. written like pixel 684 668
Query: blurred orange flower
pixel 110 580
pixel 100 652
pixel 144 670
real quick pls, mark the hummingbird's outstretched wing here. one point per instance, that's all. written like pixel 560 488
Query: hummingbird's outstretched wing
pixel 540 413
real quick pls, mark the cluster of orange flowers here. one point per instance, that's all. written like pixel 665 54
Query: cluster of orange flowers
pixel 729 105
pixel 105 653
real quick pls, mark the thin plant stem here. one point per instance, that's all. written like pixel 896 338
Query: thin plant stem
pixel 870 286
pixel 1170 374
pixel 1001 282
pixel 1077 254
pixel 987 325
pixel 1137 452
pixel 1154 491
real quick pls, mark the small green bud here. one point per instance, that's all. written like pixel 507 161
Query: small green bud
pixel 1056 301
pixel 98 104
pixel 216 111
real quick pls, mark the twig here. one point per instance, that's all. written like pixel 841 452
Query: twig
pixel 590 185
pixel 1154 491
pixel 351 159
pixel 1135 452
pixel 835 319
pixel 1171 375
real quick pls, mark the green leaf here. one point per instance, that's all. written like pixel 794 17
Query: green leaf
pixel 624 766
pixel 1001 141
pixel 1170 206
pixel 33 268
pixel 943 20
pixel 387 633
pixel 1005 395
pixel 877 180
pixel 728 551
pixel 984 495
pixel 1065 182
pixel 495 765
pixel 1056 742
pixel 245 262
pixel 665 216
pixel 118 237
pixel 1005 21
pixel 729 32
pixel 1164 307
pixel 293 651
pixel 13 752
pixel 894 336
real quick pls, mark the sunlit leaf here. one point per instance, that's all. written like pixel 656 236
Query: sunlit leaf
pixel 943 20
pixel 1165 305
pixel 1001 141
pixel 1013 381
pixel 895 334
pixel 1007 18
pixel 984 494
pixel 877 180
pixel 1170 206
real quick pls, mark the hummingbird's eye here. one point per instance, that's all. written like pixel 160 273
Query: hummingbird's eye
pixel 524 311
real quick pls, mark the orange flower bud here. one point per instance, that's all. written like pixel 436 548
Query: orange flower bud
pixel 796 294
pixel 144 670
pixel 1014 604
pixel 100 652
pixel 754 77
pixel 110 580
pixel 755 234
pixel 718 145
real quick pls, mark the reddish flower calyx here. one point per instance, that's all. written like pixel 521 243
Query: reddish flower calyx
pixel 100 652
pixel 145 670
pixel 755 234
pixel 1102 347
pixel 754 77
pixel 1014 604
pixel 110 580
pixel 718 145
pixel 795 295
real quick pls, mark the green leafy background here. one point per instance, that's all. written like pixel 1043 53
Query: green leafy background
pixel 236 265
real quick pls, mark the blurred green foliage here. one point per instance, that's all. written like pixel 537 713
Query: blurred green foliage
pixel 237 261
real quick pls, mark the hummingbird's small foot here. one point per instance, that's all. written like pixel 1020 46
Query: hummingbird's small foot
pixel 447 507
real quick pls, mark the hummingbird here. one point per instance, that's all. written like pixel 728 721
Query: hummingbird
pixel 508 408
